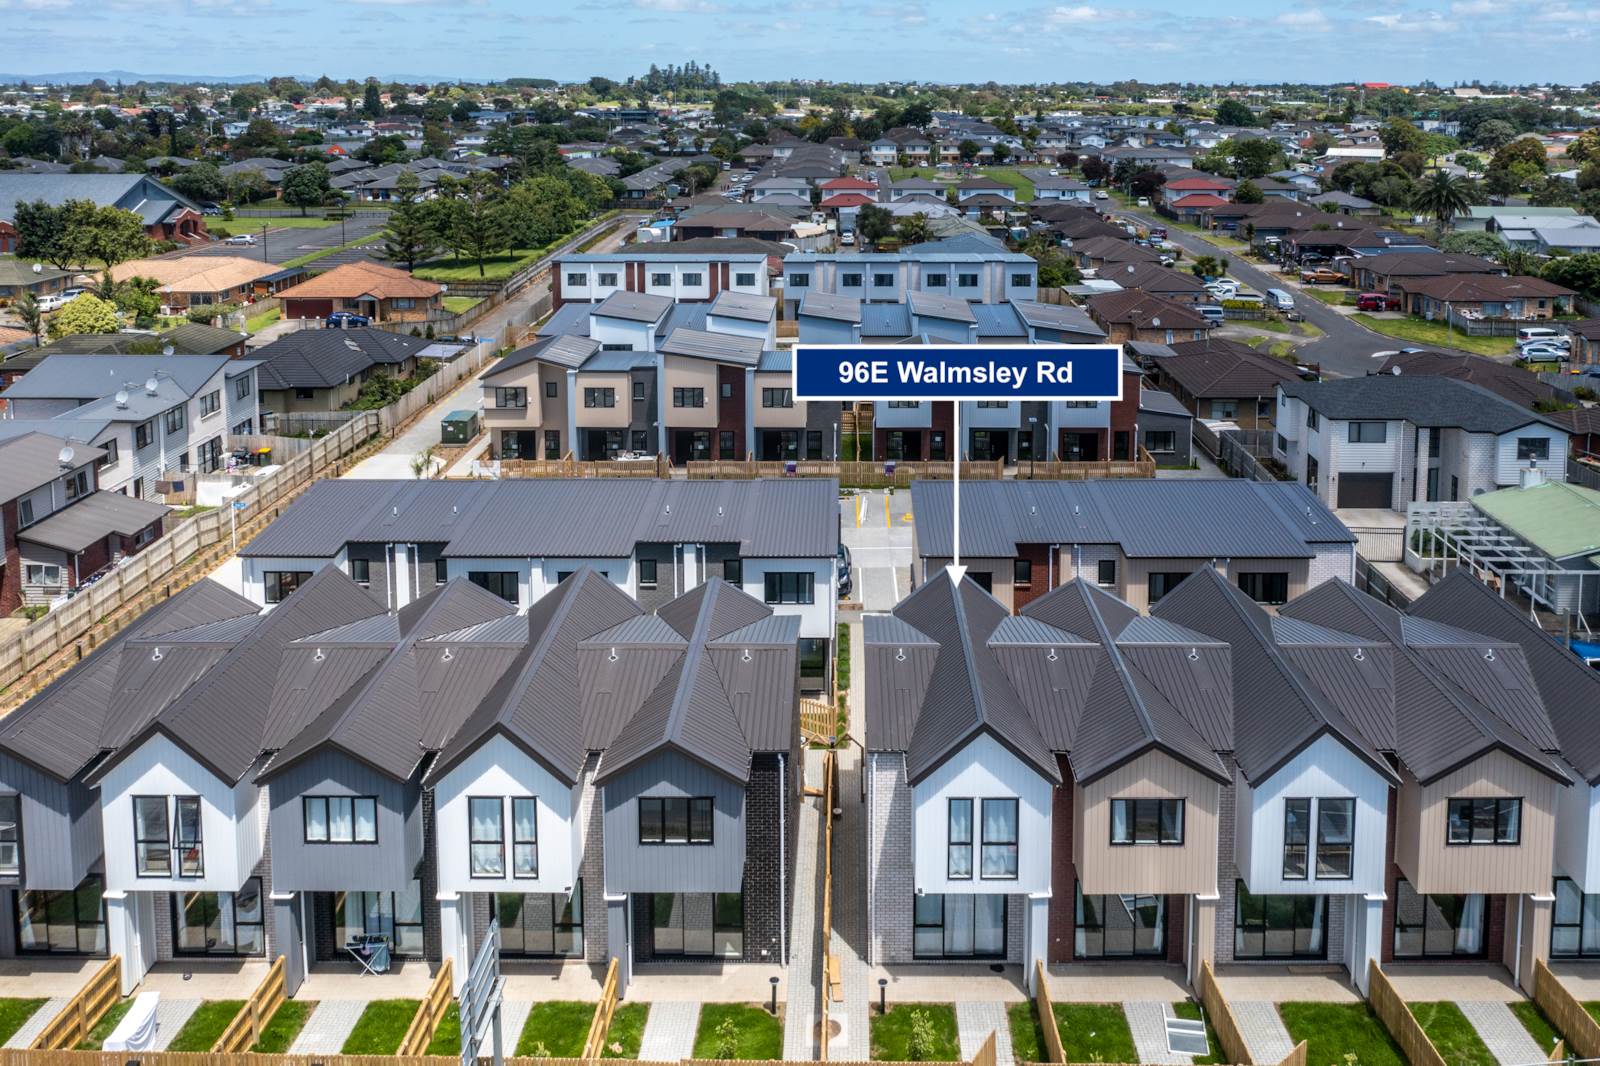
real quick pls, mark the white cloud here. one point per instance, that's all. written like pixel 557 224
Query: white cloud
pixel 1388 22
pixel 701 6
pixel 1074 16
pixel 1309 19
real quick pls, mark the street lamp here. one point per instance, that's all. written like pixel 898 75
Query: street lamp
pixel 264 242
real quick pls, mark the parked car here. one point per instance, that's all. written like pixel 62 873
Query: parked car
pixel 1537 333
pixel 210 207
pixel 52 301
pixel 1102 195
pixel 1321 276
pixel 1559 341
pixel 241 238
pixel 1281 300
pixel 347 320
pixel 1544 353
pixel 1223 288
pixel 1377 301
pixel 1144 201
pixel 846 582
pixel 1211 312
pixel 847 238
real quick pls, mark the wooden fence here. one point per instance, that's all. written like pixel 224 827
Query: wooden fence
pixel 1229 1035
pixel 441 993
pixel 832 978
pixel 661 466
pixel 594 1044
pixel 12 1057
pixel 866 475
pixel 1063 470
pixel 819 722
pixel 69 1027
pixel 1391 1009
pixel 1565 1012
pixel 244 1032
pixel 434 389
pixel 1053 1050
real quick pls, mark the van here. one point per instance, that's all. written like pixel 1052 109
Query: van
pixel 1280 300
pixel 1536 333
pixel 1211 312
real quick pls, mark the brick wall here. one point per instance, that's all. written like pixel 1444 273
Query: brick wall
pixel 592 867
pixel 730 410
pixel 891 878
pixel 1063 872
pixel 1227 870
pixel 1039 556
pixel 432 944
pixel 763 861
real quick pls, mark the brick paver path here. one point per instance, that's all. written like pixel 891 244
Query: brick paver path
pixel 805 948
pixel 974 1023
pixel 1263 1031
pixel 1507 1039
pixel 1147 1021
pixel 328 1027
pixel 171 1014
pixel 850 887
pixel 669 1032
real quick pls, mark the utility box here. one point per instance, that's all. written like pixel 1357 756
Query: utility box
pixel 458 427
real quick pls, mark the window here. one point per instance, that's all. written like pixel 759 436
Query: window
pixel 111 454
pixel 733 571
pixel 1106 573
pixel 850 281
pixel 1147 821
pixel 675 820
pixel 219 923
pixel 1336 820
pixel 936 281
pixel 512 397
pixel 1162 582
pixel 1296 838
pixel 685 397
pixel 909 405
pixel 639 440
pixel 725 390
pixel 993 405
pixel 502 583
pixel 551 390
pixel 725 444
pixel 1022 573
pixel 966 281
pixel 1533 448
pixel 1278 927
pixel 1436 926
pixel 958 849
pixel 999 839
pixel 441 571
pixel 402 303
pixel 77 484
pixel 361 571
pixel 616 347
pixel 241 387
pixel 600 397
pixel 143 433
pixel 1312 421
pixel 396 915
pixel 72 922
pixel 209 455
pixel 1022 281
pixel 777 397
pixel 524 837
pixel 1160 441
pixel 647 573
pixel 210 403
pixel 799 281
pixel 10 835
pixel 1368 432
pixel 43 574
pixel 1484 821
pixel 305 394
pixel 638 392
pixel 24 512
pixel 576 281
pixel 1264 587
pixel 487 836
pixel 789 588
pixel 693 278
pixel 744 278
pixel 542 924
pixel 660 279
pixel 280 584
pixel 1575 925
pixel 698 923
pixel 959 926
pixel 882 281
pixel 152 844
pixel 813 444
pixel 608 278
pixel 1111 927
pixel 173 420
pixel 340 819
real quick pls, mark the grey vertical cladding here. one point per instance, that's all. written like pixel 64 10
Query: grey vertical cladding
pixel 389 865
pixel 823 417
pixel 290 940
pixel 763 868
pixel 61 835
pixel 668 581
pixel 891 860
pixel 716 556
pixel 642 415
pixel 634 867
pixel 8 927
pixel 591 868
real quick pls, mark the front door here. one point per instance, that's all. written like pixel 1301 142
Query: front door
pixel 1080 447
pixel 691 446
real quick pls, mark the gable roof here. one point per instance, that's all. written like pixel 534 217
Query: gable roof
pixel 1216 367
pixel 322 358
pixel 1421 400
pixel 1144 310
pixel 362 278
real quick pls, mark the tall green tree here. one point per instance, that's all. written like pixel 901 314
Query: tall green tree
pixel 1235 113
pixel 203 181
pixel 371 100
pixel 1441 197
pixel 41 233
pixel 104 235
pixel 1248 192
pixel 27 309
pixel 474 222
pixel 914 229
pixel 306 186
pixel 408 236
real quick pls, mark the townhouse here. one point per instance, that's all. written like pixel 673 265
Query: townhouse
pixel 1386 440
pixel 591 779
pixel 1021 539
pixel 399 540
pixel 679 275
pixel 993 276
pixel 1337 782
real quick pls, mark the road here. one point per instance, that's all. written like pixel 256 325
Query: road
pixel 1346 348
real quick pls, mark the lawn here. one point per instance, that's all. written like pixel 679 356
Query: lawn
pixel 890 1033
pixel 1012 176
pixel 1095 1032
pixel 284 1025
pixel 495 267
pixel 626 1032
pixel 103 1028
pixel 1593 1009
pixel 253 224
pixel 1534 1021
pixel 1327 296
pixel 1278 325
pixel 757 1034
pixel 1333 1030
pixel 1188 1008
pixel 1452 1035
pixel 1027 1038
pixel 1435 334
pixel 560 1025
pixel 13 1012
pixel 381 1027
pixel 447 1037
pixel 205 1025
pixel 457 304
pixel 257 323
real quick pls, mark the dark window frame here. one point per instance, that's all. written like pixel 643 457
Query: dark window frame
pixel 697 810
pixel 1011 847
pixel 474 841
pixel 182 845
pixel 1302 847
pixel 804 592
pixel 1132 819
pixel 1247 906
pixel 1501 804
pixel 648 574
pixel 951 843
pixel 327 819
pixel 140 865
pixel 518 842
pixel 1348 848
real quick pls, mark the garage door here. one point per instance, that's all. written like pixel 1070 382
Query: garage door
pixel 1366 490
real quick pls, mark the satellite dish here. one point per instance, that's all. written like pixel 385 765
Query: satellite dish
pixel 1155 322
pixel 166 349
pixel 151 384
pixel 38 268
pixel 65 455
pixel 122 397
pixel 1395 371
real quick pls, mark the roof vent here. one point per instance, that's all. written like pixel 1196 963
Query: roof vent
pixel 1488 656
pixel 1359 656
pixel 1051 657
pixel 1194 655
pixel 317 658
pixel 719 510
pixel 746 657
pixel 447 656
pixel 613 656
pixel 900 655
pixel 394 512
pixel 155 656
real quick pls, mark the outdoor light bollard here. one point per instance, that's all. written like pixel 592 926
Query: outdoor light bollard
pixel 883 995
pixel 774 981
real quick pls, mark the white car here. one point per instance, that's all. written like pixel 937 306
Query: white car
pixel 1144 201
pixel 1102 195
pixel 847 238
pixel 1223 288
pixel 241 238
pixel 53 301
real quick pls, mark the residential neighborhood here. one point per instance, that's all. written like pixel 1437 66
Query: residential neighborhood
pixel 442 618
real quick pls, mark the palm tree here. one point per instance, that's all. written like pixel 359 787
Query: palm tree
pixel 914 229
pixel 1444 196
pixel 1519 262
pixel 27 308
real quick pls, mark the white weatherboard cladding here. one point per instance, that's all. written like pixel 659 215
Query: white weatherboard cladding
pixel 501 769
pixel 1325 769
pixel 816 617
pixel 231 830
pixel 639 336
pixel 983 769
pixel 1508 469
pixel 1578 835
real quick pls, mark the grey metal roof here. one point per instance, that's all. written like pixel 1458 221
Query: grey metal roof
pixel 1063 317
pixel 720 347
pixel 563 351
pixel 34 459
pixel 780 360
pixel 1422 400
pixel 322 358
pixel 937 305
pixel 139 193
pixel 831 305
pixel 1569 689
pixel 1159 402
pixel 1198 518
pixel 91 519
pixel 634 306
pixel 744 305
pixel 89 377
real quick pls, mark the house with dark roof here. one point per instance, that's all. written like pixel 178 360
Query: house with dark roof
pixel 323 370
pixel 1521 387
pixel 1136 315
pixel 166 215
pixel 1224 380
pixel 1385 272
pixel 1386 440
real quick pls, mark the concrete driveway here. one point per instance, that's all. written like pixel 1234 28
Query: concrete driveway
pixel 876 527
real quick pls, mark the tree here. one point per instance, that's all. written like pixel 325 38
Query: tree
pixel 1095 169
pixel 203 181
pixel 874 223
pixel 435 141
pixel 1441 196
pixel 1485 245
pixel 1209 266
pixel 1522 150
pixel 1586 149
pixel 969 150
pixel 84 313
pixel 306 186
pixel 389 148
pixel 474 224
pixel 914 229
pixel 1580 273
pixel 1469 161
pixel 1519 262
pixel 1235 113
pixel 104 235
pixel 138 298
pixel 1001 152
pixel 1254 157
pixel 41 233
pixel 261 136
pixel 1056 268
pixel 1146 182
pixel 1494 133
pixel 408 236
pixel 27 309
pixel 1248 192
pixel 1398 136
pixel 371 100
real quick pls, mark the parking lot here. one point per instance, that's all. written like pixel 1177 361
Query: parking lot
pixel 283 243
pixel 876 526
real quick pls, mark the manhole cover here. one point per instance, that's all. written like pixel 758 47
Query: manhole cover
pixel 834 1029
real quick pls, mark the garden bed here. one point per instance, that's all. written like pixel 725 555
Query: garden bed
pixel 892 1033
pixel 737 1031
pixel 1333 1030
pixel 381 1027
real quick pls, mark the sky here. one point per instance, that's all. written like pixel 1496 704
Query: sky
pixel 1401 41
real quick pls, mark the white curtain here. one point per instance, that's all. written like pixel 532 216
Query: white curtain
pixel 1469 934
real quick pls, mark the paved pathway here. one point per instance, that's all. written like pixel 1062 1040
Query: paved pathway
pixel 513 1016
pixel 328 1027
pixel 1147 1021
pixel 394 461
pixel 1262 1029
pixel 805 951
pixel 171 1016
pixel 36 1022
pixel 974 1023
pixel 854 1043
pixel 1507 1039
pixel 669 1032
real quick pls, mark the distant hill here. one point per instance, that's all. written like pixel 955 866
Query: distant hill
pixel 83 77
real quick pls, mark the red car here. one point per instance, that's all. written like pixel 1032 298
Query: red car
pixel 1377 301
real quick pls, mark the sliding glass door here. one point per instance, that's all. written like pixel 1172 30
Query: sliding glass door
pixel 1279 927
pixel 396 915
pixel 963 926
pixel 219 923
pixel 1443 926
pixel 1111 927
pixel 62 923
pixel 698 923
pixel 541 924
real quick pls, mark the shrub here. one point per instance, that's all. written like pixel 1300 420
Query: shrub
pixel 922 1042
pixel 727 1039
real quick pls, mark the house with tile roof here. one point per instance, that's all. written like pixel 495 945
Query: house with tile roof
pixel 380 293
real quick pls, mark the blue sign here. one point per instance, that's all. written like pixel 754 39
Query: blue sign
pixel 958 372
